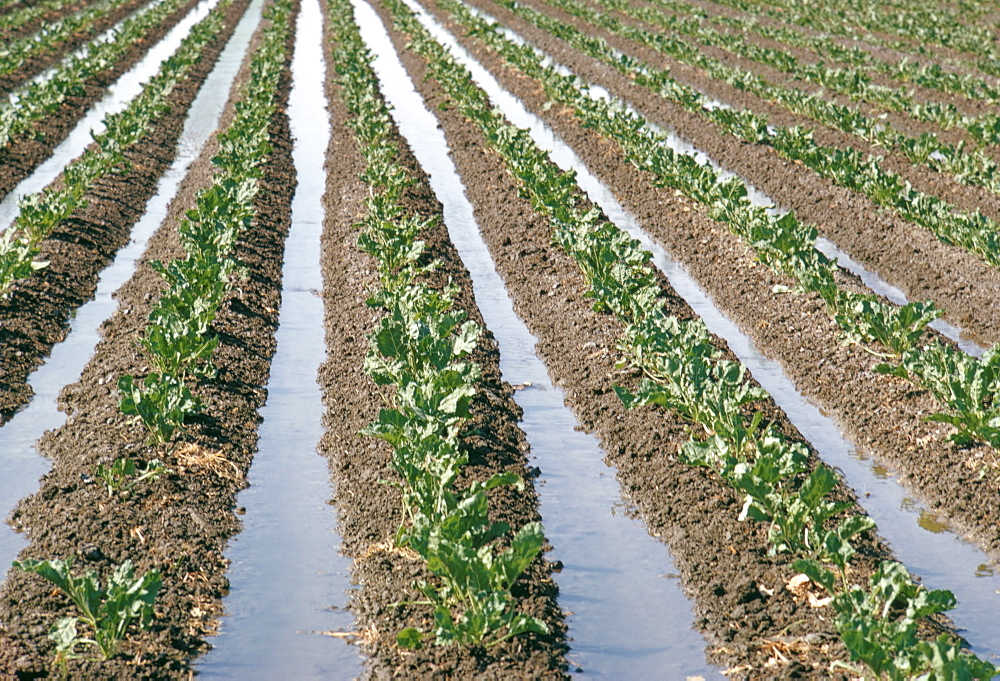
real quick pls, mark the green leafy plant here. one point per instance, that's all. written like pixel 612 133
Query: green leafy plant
pixel 107 612
pixel 122 475
pixel 420 349
pixel 161 402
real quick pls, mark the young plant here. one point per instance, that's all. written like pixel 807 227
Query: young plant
pixel 107 612
pixel 161 402
pixel 118 476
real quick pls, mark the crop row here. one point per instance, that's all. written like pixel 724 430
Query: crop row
pixel 49 39
pixel 684 372
pixel 420 348
pixel 848 167
pixel 864 27
pixel 965 386
pixel 40 213
pixel 971 166
pixel 14 19
pixel 178 340
pixel 32 102
pixel 928 75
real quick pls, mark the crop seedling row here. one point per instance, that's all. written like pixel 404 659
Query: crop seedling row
pixel 968 166
pixel 178 340
pixel 21 17
pixel 846 167
pixel 684 372
pixel 927 75
pixel 420 348
pixel 107 612
pixel 31 103
pixel 50 38
pixel 851 82
pixel 848 22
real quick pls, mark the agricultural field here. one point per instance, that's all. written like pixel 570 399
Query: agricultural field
pixel 499 339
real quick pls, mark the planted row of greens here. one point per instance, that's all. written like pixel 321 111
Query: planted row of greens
pixel 40 213
pixel 973 166
pixel 852 24
pixel 178 342
pixel 13 18
pixel 928 75
pixel 848 168
pixel 421 348
pixel 964 386
pixel 29 104
pixel 684 371
pixel 51 37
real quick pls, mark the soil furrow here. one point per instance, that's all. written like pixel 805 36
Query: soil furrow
pixel 179 523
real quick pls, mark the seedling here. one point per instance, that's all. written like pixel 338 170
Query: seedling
pixel 108 612
pixel 116 476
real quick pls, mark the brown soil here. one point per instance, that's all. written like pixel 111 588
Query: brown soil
pixel 38 312
pixel 723 563
pixel 882 416
pixel 38 63
pixel 369 508
pixel 179 523
pixel 19 158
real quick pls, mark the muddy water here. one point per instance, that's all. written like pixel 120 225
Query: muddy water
pixel 940 557
pixel 288 581
pixel 628 613
pixel 21 464
pixel 115 99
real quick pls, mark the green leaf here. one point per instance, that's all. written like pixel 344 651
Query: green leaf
pixel 410 638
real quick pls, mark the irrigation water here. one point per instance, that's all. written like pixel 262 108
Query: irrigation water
pixel 287 579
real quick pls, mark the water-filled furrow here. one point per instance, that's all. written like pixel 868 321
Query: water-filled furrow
pixel 627 617
pixel 21 464
pixel 287 578
pixel 758 197
pixel 116 99
pixel 943 559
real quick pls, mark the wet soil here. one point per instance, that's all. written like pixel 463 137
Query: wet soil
pixel 39 310
pixel 740 602
pixel 43 60
pixel 369 506
pixel 883 416
pixel 178 523
pixel 19 158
